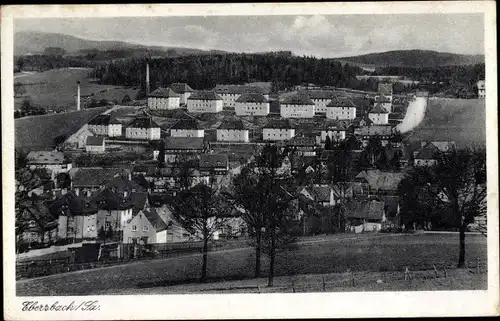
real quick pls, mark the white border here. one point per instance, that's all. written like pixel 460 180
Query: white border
pixel 358 304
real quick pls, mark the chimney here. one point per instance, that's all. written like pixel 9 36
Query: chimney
pixel 147 78
pixel 77 95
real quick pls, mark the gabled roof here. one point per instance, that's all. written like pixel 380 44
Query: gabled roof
pixel 429 151
pixel 72 205
pixel 101 119
pixel 371 210
pixel 232 123
pixel 334 125
pixel 208 161
pixel 204 95
pixel 298 99
pixel 340 101
pixel 378 109
pixel 143 122
pixel 320 193
pixel 321 94
pixel 95 176
pixel 94 141
pixel 45 157
pixel 380 130
pixel 109 200
pixel 379 180
pixel 358 120
pixel 251 98
pixel 278 124
pixel 155 220
pixel 239 89
pixel 186 124
pixel 164 93
pixel 184 143
pixel 382 99
pixel 181 88
pixel 385 89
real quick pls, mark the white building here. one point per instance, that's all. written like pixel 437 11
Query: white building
pixel 186 128
pixel 143 127
pixel 163 99
pixel 341 108
pixel 481 89
pixel 79 138
pixel 95 144
pixel 251 104
pixel 378 115
pixel 183 90
pixel 204 102
pixel 103 125
pixel 232 130
pixel 297 106
pixel 321 98
pixel 230 93
pixel 336 132
pixel 278 129
pixel 55 162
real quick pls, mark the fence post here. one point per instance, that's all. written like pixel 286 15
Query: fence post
pixel 407 274
pixel 478 266
pixel 435 271
pixel 324 285
pixel 293 287
pixel 445 273
pixel 258 287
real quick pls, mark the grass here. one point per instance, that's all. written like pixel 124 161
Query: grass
pixel 365 253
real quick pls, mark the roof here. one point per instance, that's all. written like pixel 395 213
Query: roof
pixel 232 123
pixel 71 204
pixel 143 122
pixel 303 162
pixel 186 124
pixel 102 119
pixel 302 141
pixel 382 99
pixel 278 124
pixel 340 101
pixel 213 161
pixel 251 98
pixel 371 210
pixel 95 176
pixel 121 184
pixel 321 94
pixel 184 143
pixel 155 220
pixel 181 88
pixel 164 93
pixel 204 95
pixel 378 109
pixel 94 141
pixel 298 99
pixel 379 180
pixel 429 151
pixel 358 120
pixel 320 193
pixel 239 89
pixel 45 157
pixel 109 200
pixel 334 125
pixel 381 130
pixel 385 89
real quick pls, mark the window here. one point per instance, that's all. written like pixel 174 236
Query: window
pixel 134 228
pixel 145 228
pixel 107 225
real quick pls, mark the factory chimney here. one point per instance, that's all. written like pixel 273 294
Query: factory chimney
pixel 77 95
pixel 147 78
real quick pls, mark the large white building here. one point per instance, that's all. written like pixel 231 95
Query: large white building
pixel 341 108
pixel 232 130
pixel 103 125
pixel 297 106
pixel 321 98
pixel 183 90
pixel 481 88
pixel 144 128
pixel 204 102
pixel 278 129
pixel 336 131
pixel 251 104
pixel 186 128
pixel 379 115
pixel 231 93
pixel 163 99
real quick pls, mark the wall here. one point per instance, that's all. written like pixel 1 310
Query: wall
pixel 336 135
pixel 95 149
pixel 424 162
pixel 204 106
pixel 101 130
pixel 297 111
pixel 184 97
pixel 163 103
pixel 232 135
pixel 115 130
pixel 154 133
pixel 277 134
pixel 341 113
pixel 320 105
pixel 141 222
pixel 187 133
pixel 379 119
pixel 251 109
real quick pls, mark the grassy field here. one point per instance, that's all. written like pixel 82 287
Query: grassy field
pixel 56 89
pixel 459 120
pixel 364 253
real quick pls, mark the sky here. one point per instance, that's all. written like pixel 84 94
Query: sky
pixel 314 35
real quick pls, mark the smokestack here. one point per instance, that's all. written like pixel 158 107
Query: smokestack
pixel 77 95
pixel 147 78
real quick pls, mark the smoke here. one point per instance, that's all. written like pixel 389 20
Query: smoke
pixel 414 115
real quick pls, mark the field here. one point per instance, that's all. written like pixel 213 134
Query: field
pixel 459 120
pixel 319 255
pixel 56 89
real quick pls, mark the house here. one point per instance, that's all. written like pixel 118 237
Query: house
pixel 298 105
pixel 187 128
pixel 79 138
pixel 103 125
pixel 232 130
pixel 278 129
pixel 384 90
pixel 231 93
pixel 181 146
pixel 36 225
pixel 426 155
pixel 53 161
pixel 95 144
pixel 481 88
pixel 335 130
pixel 379 182
pixel 379 115
pixel 144 128
pixel 384 132
pixel 163 99
pixel 77 216
pixel 86 180
pixel 302 146
pixel 385 102
pixel 251 104
pixel 321 194
pixel 204 102
pixel 341 108
pixel 183 90
pixel 144 227
pixel 443 146
pixel 364 216
pixel 321 98
pixel 362 121
pixel 214 164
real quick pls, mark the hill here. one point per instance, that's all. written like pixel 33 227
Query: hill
pixel 414 58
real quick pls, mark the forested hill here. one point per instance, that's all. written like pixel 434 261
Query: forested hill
pixel 414 58
pixel 203 72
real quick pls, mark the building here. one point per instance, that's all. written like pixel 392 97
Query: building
pixel 78 139
pixel 186 128
pixel 163 99
pixel 341 108
pixel 144 227
pixel 303 146
pixel 77 216
pixel 95 144
pixel 144 128
pixel 103 125
pixel 86 180
pixel 321 98
pixel 384 132
pixel 481 88
pixel 426 155
pixel 214 164
pixel 379 182
pixel 278 129
pixel 204 102
pixel 297 106
pixel 336 131
pixel 251 104
pixel 54 162
pixel 184 147
pixel 231 93
pixel 232 130
pixel 321 194
pixel 183 90
pixel 379 115
pixel 385 102
pixel 364 216
pixel 384 90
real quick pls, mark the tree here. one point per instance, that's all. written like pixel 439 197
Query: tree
pixel 101 235
pixel 328 143
pixel 161 154
pixel 202 211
